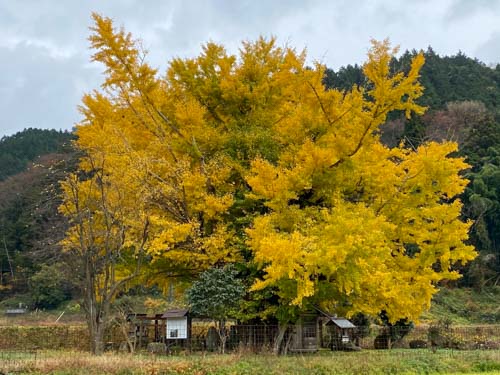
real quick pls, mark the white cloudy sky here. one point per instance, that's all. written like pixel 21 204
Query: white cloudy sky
pixel 44 55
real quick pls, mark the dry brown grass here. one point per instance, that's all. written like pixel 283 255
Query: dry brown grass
pixel 85 363
pixel 366 362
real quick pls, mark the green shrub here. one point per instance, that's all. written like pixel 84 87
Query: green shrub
pixel 49 287
pixel 441 335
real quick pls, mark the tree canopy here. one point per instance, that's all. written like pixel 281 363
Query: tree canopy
pixel 462 95
pixel 234 158
pixel 216 294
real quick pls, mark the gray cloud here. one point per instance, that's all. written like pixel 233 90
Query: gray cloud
pixel 463 9
pixel 489 50
pixel 44 55
pixel 40 90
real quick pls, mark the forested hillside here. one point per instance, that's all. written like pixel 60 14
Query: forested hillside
pixel 18 150
pixel 445 79
pixel 32 163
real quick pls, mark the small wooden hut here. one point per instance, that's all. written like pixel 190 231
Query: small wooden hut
pixel 146 328
pixel 174 324
pixel 342 334
pixel 307 334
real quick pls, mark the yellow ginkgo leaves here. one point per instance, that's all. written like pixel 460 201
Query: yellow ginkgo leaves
pixel 227 153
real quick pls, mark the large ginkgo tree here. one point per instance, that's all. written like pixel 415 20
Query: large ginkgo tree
pixel 248 158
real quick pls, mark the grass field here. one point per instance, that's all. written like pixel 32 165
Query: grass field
pixel 366 362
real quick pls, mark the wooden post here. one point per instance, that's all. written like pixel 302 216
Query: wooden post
pixel 140 333
pixel 320 332
pixel 299 333
pixel 157 333
pixel 189 332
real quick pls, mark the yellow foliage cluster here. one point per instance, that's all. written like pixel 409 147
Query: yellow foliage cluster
pixel 346 221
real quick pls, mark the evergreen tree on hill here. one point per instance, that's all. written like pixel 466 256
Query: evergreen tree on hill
pixel 18 150
pixel 445 79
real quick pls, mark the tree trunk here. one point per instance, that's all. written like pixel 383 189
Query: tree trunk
pixel 222 335
pixel 96 327
pixel 287 345
pixel 97 340
pixel 96 313
pixel 282 328
pixel 125 330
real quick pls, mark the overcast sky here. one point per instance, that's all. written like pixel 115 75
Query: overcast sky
pixel 44 55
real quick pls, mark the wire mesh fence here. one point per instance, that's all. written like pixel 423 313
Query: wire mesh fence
pixel 202 337
pixel 312 338
pixel 431 337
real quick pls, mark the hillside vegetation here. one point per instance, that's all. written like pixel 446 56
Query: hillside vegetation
pixel 465 306
pixel 30 226
pixel 18 150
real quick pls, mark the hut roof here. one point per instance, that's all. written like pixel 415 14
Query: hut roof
pixel 175 313
pixel 341 322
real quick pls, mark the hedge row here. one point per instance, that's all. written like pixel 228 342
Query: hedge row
pixel 44 337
